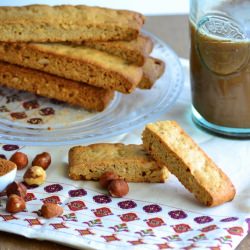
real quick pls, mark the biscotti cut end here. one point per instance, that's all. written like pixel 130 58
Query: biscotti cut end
pixel 129 162
pixel 43 23
pixel 168 144
pixel 152 70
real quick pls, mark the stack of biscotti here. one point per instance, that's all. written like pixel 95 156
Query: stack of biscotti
pixel 77 54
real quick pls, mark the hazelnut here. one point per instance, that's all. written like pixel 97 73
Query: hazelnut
pixel 15 204
pixel 20 159
pixel 106 178
pixel 50 210
pixel 43 160
pixel 16 188
pixel 3 157
pixel 118 188
pixel 35 175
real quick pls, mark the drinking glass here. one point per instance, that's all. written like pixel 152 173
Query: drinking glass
pixel 220 65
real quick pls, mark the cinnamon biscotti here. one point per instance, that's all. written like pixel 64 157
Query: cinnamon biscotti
pixel 43 23
pixel 74 62
pixel 135 51
pixel 168 144
pixel 152 70
pixel 130 162
pixel 72 92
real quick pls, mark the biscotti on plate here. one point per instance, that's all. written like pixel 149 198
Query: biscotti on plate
pixel 130 162
pixel 75 62
pixel 100 47
pixel 44 84
pixel 43 23
pixel 135 51
pixel 168 144
pixel 152 70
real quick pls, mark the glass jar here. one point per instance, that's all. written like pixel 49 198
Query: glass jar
pixel 220 65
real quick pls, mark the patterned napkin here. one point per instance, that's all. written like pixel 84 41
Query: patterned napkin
pixel 151 216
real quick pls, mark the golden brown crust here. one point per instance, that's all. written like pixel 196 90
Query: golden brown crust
pixel 43 23
pixel 135 51
pixel 130 162
pixel 152 70
pixel 74 62
pixel 72 92
pixel 170 145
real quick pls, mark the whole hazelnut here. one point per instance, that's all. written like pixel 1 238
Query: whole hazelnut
pixel 35 175
pixel 2 156
pixel 20 159
pixel 118 188
pixel 50 210
pixel 43 160
pixel 16 188
pixel 106 178
pixel 15 204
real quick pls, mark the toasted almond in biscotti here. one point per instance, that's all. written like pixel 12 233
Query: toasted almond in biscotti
pixel 129 162
pixel 75 62
pixel 75 93
pixel 43 23
pixel 135 51
pixel 152 70
pixel 167 143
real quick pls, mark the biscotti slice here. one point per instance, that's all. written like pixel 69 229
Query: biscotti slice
pixel 152 70
pixel 167 143
pixel 130 162
pixel 40 83
pixel 43 23
pixel 74 62
pixel 135 51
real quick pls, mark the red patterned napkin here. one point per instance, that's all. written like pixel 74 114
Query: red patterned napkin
pixel 97 220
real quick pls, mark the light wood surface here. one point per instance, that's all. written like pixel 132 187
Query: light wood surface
pixel 174 31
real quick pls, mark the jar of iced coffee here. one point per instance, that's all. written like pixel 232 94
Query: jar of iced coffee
pixel 220 65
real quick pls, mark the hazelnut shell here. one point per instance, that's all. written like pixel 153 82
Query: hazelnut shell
pixel 106 178
pixel 43 160
pixel 20 159
pixel 35 175
pixel 118 188
pixel 16 188
pixel 50 210
pixel 15 204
